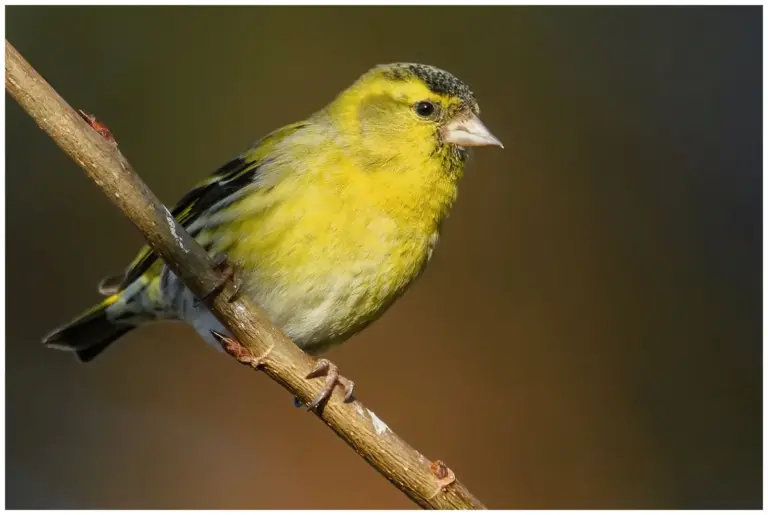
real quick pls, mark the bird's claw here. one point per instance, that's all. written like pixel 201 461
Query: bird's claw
pixel 226 273
pixel 332 378
pixel 323 367
pixel 235 349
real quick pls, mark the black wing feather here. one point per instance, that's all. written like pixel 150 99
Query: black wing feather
pixel 227 180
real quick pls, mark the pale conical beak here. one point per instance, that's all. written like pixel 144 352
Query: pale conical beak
pixel 469 131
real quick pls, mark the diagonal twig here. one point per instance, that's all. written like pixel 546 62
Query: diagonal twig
pixel 430 485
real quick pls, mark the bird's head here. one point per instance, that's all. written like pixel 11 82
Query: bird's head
pixel 407 109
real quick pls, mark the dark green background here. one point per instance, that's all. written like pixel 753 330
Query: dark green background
pixel 588 334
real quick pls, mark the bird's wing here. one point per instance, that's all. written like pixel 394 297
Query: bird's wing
pixel 227 180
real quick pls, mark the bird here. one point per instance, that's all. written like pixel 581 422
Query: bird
pixel 324 223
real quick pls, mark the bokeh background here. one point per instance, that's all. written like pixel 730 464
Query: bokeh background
pixel 588 334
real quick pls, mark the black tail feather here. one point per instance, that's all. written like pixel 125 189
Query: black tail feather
pixel 89 335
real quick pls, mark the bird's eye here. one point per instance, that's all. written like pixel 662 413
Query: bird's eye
pixel 425 109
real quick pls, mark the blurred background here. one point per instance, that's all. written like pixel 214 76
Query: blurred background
pixel 588 334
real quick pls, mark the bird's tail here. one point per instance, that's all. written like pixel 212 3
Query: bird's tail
pixel 89 334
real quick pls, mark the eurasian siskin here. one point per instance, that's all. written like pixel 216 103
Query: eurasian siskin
pixel 326 221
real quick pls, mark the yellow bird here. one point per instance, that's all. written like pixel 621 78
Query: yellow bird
pixel 326 222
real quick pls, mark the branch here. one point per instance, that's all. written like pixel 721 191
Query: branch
pixel 428 484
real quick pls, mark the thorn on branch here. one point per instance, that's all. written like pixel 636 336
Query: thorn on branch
pixel 445 476
pixel 103 131
pixel 98 126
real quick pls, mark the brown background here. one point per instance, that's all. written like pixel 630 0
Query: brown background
pixel 587 336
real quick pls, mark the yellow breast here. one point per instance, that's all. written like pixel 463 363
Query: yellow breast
pixel 326 250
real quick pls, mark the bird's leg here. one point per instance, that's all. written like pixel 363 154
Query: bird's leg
pixel 226 273
pixel 332 378
pixel 235 349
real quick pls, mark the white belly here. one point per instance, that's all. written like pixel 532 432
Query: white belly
pixel 315 316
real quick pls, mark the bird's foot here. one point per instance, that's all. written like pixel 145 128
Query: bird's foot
pixel 323 367
pixel 226 273
pixel 235 349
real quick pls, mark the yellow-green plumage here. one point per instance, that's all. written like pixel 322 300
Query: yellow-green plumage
pixel 326 221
